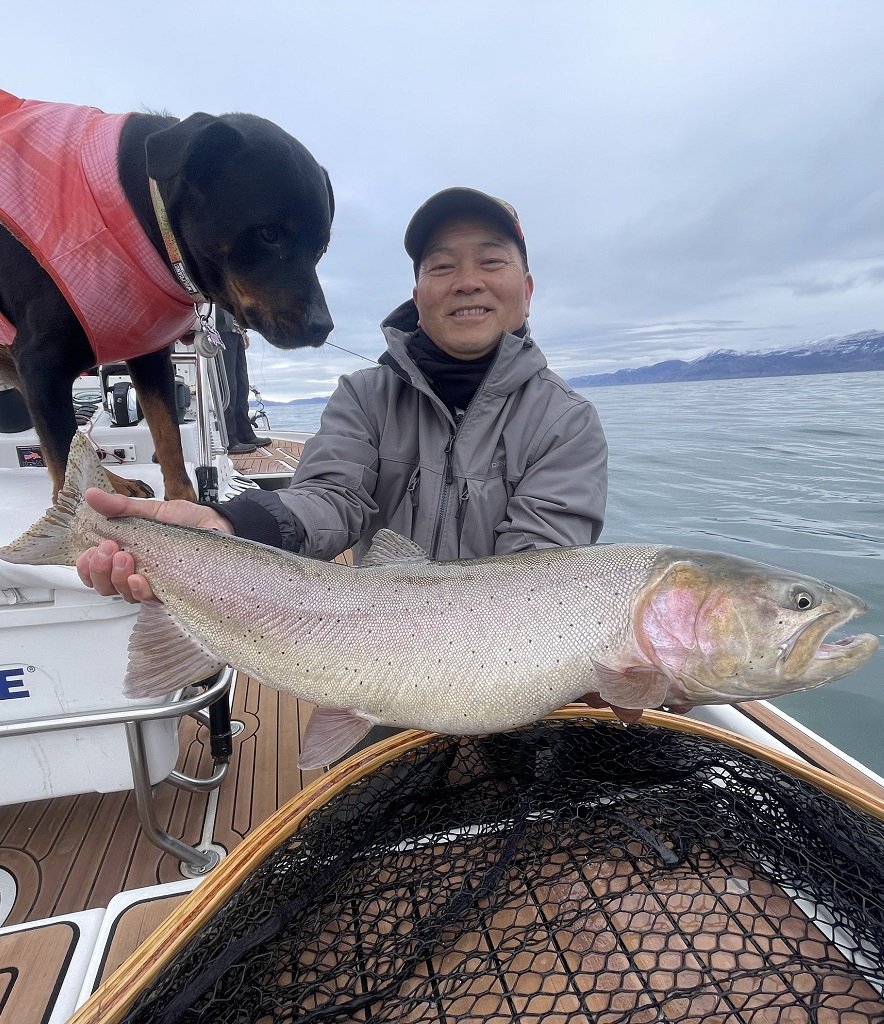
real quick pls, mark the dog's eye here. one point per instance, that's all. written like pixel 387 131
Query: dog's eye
pixel 269 234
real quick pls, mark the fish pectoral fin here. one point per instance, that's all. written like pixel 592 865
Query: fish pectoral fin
pixel 330 733
pixel 163 656
pixel 391 548
pixel 639 686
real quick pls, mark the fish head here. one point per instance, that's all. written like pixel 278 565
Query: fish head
pixel 726 629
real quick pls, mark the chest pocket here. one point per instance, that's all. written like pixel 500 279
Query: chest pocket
pixel 481 507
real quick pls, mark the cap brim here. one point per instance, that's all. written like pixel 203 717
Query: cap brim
pixel 451 203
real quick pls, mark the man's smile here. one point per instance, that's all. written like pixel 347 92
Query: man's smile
pixel 471 311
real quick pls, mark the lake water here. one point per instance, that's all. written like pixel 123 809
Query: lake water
pixel 787 470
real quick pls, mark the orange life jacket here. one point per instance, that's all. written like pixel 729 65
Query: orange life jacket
pixel 60 195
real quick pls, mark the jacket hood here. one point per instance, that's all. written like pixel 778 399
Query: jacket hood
pixel 517 360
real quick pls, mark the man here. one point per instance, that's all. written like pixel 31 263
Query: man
pixel 241 437
pixel 461 438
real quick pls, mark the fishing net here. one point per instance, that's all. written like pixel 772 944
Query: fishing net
pixel 571 871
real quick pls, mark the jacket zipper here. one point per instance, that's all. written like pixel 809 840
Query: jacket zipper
pixel 413 491
pixel 443 500
pixel 449 460
pixel 462 503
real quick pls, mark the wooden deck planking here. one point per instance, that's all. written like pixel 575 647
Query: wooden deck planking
pixel 132 927
pixel 277 459
pixel 77 852
pixel 31 966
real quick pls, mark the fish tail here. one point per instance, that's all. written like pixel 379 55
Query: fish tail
pixel 57 538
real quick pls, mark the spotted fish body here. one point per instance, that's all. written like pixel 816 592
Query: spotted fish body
pixel 459 647
pixel 421 644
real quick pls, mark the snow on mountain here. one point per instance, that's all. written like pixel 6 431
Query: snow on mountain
pixel 850 354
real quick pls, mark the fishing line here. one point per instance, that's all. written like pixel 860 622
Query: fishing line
pixel 349 352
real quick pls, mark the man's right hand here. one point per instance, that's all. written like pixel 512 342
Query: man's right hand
pixel 110 570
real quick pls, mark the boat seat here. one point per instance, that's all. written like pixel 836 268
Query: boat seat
pixel 42 967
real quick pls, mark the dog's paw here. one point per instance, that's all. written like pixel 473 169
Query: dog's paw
pixel 131 488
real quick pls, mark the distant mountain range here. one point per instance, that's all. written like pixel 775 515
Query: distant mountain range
pixel 319 400
pixel 851 354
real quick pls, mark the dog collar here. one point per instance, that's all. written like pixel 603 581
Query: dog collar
pixel 174 252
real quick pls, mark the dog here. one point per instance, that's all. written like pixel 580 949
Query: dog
pixel 118 224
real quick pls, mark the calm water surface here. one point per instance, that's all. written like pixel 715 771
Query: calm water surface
pixel 788 470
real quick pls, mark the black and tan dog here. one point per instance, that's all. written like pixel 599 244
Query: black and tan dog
pixel 93 270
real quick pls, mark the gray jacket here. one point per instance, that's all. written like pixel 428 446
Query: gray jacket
pixel 524 468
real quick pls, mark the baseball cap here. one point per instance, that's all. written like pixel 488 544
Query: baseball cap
pixel 451 202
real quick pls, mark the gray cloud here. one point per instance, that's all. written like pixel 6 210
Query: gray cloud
pixel 874 276
pixel 690 176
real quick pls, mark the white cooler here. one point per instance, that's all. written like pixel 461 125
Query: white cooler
pixel 63 650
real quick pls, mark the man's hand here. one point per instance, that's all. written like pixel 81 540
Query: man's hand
pixel 110 570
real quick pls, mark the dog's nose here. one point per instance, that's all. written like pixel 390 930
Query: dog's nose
pixel 318 328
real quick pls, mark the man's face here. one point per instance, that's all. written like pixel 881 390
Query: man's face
pixel 471 286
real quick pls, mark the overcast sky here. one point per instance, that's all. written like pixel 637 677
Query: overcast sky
pixel 690 175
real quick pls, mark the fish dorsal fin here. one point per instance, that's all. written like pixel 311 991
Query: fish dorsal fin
pixel 83 471
pixel 163 656
pixel 390 548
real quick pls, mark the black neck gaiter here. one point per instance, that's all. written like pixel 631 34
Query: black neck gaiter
pixel 455 381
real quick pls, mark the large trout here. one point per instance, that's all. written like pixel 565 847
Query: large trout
pixel 459 647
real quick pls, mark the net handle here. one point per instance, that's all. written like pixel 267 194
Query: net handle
pixel 112 999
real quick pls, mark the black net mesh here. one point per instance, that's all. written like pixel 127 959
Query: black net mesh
pixel 571 871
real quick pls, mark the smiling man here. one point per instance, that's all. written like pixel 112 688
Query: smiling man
pixel 461 438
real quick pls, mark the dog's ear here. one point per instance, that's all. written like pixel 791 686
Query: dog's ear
pixel 331 195
pixel 196 148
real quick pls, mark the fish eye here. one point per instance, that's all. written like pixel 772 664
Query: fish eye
pixel 803 600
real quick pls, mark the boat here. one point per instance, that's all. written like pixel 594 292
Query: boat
pixel 130 829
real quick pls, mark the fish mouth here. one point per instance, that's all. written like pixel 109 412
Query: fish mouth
pixel 813 657
pixel 837 648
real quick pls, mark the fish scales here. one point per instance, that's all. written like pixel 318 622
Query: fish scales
pixel 379 637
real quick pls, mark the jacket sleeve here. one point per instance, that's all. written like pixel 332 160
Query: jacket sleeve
pixel 331 493
pixel 560 498
pixel 326 507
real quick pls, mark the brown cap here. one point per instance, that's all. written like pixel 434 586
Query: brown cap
pixel 451 202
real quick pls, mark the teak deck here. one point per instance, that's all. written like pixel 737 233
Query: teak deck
pixel 279 458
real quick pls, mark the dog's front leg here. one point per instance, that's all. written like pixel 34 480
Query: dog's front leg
pixel 154 378
pixel 45 385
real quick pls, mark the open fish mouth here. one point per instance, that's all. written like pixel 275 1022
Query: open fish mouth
pixel 836 648
pixel 815 656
